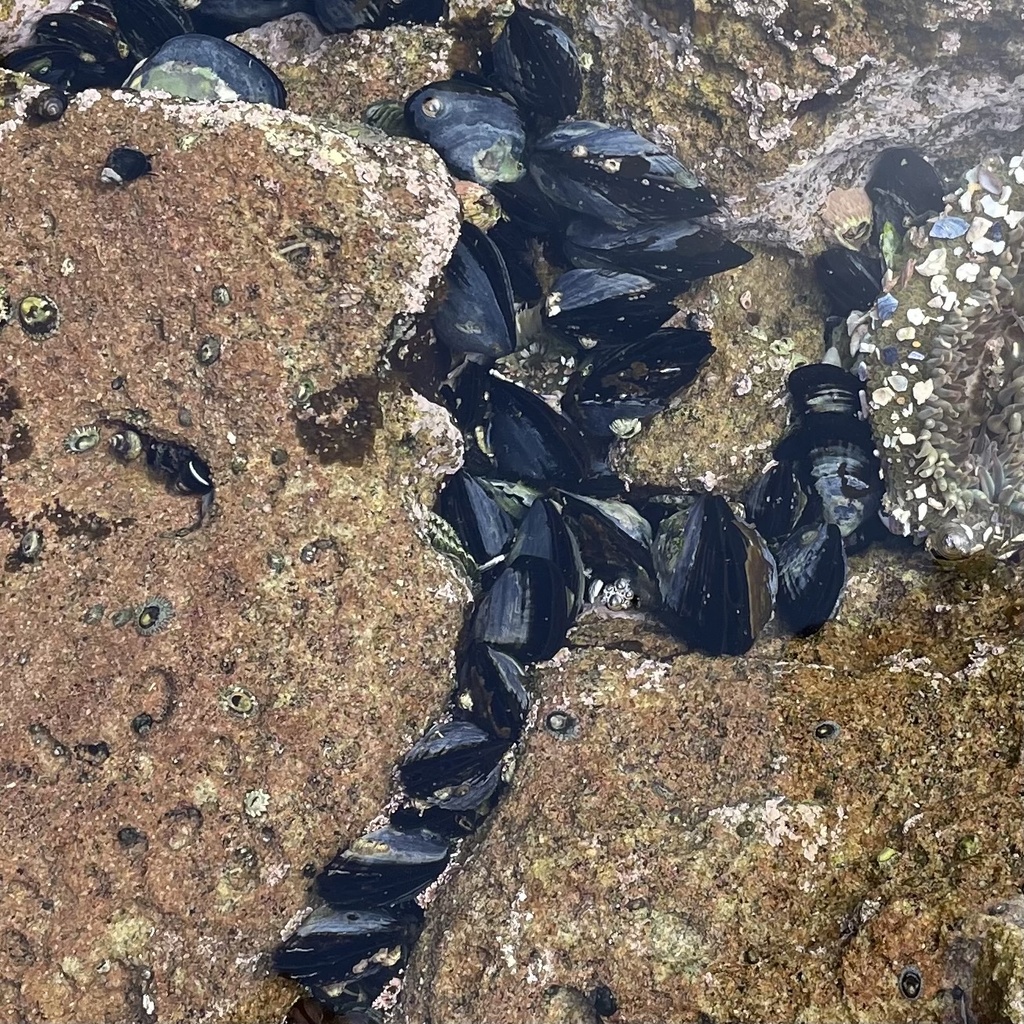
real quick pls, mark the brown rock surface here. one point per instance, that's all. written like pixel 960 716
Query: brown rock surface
pixel 167 795
pixel 698 850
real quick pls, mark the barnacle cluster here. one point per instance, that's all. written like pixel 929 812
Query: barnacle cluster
pixel 943 351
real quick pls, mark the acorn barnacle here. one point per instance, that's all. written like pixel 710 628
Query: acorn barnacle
pixel 208 351
pixel 82 439
pixel 847 213
pixel 238 701
pixel 31 546
pixel 154 616
pixel 126 445
pixel 38 315
pixel 6 308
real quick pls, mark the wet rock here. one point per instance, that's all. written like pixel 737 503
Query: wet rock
pixel 18 18
pixel 198 707
pixel 705 845
pixel 350 71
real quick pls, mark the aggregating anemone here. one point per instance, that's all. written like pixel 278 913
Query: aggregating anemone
pixel 942 347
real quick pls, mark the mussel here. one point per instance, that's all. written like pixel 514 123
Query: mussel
pixel 200 67
pixel 536 61
pixel 615 175
pixel 718 579
pixel 904 189
pixel 478 132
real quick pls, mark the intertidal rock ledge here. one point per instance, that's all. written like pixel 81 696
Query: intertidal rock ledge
pixel 168 787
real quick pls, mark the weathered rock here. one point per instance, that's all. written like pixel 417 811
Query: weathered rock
pixel 18 19
pixel 708 849
pixel 167 796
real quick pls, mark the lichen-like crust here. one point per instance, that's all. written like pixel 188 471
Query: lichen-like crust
pixel 944 350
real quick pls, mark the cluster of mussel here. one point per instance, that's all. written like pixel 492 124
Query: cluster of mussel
pixel 536 516
pixel 107 43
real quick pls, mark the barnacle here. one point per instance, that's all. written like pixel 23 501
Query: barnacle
pixel 154 615
pixel 82 439
pixel 238 701
pixel 38 315
pixel 946 373
pixel 126 445
pixel 209 350
pixel 31 546
pixel 847 214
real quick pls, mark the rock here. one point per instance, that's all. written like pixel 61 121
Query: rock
pixel 19 17
pixel 169 793
pixel 349 72
pixel 707 850
pixel 285 40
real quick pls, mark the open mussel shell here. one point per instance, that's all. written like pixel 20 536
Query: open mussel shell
pixel 448 755
pixel 529 441
pixel 490 691
pixel 905 189
pixel 776 501
pixel 608 307
pixel 671 252
pixel 346 957
pixel 812 576
pixel 526 611
pixel 615 175
pixel 477 313
pixel 147 24
pixel 823 388
pixel 383 868
pixel 477 131
pixel 635 382
pixel 718 579
pixel 536 61
pixel 483 527
pixel 199 67
pixel 850 279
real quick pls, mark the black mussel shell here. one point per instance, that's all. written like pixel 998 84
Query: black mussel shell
pixel 837 461
pixel 823 388
pixel 445 821
pixel 483 527
pixel 850 279
pixel 525 611
pixel 477 131
pixel 477 313
pixel 673 252
pixel 615 175
pixel 527 207
pixel 125 164
pixel 528 441
pixel 346 957
pixel 147 24
pixel 609 307
pixel 517 250
pixel 536 61
pixel 224 17
pixel 615 546
pixel 812 575
pixel 544 534
pixel 776 501
pixel 199 67
pixel 383 868
pixel 718 578
pixel 635 382
pixel 91 30
pixel 348 15
pixel 904 189
pixel 55 64
pixel 491 691
pixel 412 12
pixel 447 755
